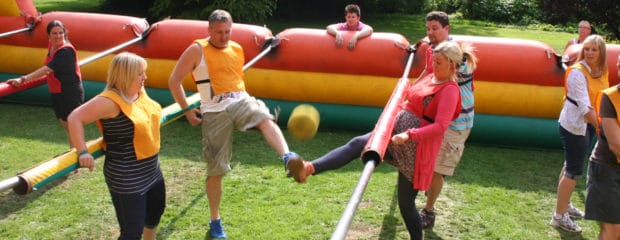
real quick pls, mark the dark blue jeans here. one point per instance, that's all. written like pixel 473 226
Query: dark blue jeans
pixel 136 211
pixel 576 150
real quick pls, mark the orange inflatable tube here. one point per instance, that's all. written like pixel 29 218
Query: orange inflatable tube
pixel 86 31
pixel 510 60
pixel 314 50
pixel 169 38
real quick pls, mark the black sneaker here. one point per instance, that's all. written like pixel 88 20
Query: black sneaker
pixel 428 218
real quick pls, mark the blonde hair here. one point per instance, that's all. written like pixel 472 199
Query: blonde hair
pixel 123 70
pixel 598 41
pixel 458 54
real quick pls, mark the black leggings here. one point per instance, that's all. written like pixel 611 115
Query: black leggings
pixel 342 155
pixel 406 203
pixel 134 212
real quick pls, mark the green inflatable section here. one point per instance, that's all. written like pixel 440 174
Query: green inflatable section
pixel 507 131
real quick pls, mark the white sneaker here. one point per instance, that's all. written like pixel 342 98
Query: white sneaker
pixel 574 212
pixel 565 223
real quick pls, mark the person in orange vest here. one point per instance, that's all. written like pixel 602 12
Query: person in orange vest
pixel 216 65
pixel 64 79
pixel 129 121
pixel 603 185
pixel 577 125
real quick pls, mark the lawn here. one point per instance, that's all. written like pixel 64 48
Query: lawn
pixel 496 193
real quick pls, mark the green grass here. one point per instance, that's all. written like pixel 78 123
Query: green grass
pixel 44 6
pixel 497 193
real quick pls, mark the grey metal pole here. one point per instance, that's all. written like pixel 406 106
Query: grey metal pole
pixel 6 34
pixel 273 42
pixel 116 48
pixel 356 197
pixel 9 183
pixel 372 155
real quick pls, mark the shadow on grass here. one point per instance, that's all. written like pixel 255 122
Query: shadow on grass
pixel 508 168
pixel 11 202
pixel 565 235
pixel 390 220
pixel 165 231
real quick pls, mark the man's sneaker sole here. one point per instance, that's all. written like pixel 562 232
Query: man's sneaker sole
pixel 296 167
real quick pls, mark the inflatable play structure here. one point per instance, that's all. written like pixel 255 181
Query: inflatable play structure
pixel 518 84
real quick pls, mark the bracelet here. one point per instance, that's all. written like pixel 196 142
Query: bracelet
pixel 83 152
pixel 186 109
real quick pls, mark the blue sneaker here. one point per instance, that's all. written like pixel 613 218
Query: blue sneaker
pixel 217 230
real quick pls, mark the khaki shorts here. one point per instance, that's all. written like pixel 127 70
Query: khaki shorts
pixel 451 151
pixel 217 131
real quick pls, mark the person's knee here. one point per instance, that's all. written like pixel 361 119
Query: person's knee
pixel 266 125
pixel 610 231
pixel 359 141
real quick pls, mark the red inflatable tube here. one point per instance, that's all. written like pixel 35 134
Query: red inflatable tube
pixel 12 23
pixel 169 38
pixel 87 31
pixel 27 8
pixel 509 60
pixel 8 89
pixel 314 50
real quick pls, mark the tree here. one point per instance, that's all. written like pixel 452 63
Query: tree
pixel 605 14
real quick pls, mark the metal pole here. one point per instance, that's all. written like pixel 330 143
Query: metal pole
pixel 169 113
pixel 106 52
pixel 272 42
pixel 6 90
pixel 9 183
pixel 114 49
pixel 374 150
pixel 6 34
pixel 356 197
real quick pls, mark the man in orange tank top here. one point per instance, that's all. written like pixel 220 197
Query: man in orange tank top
pixel 216 65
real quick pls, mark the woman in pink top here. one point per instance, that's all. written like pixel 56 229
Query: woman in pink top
pixel 432 102
pixel 353 23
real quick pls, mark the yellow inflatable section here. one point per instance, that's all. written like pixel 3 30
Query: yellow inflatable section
pixel 9 8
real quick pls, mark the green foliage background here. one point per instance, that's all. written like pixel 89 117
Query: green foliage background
pixel 604 14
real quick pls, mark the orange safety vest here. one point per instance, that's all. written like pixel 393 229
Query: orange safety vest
pixel 614 96
pixel 595 85
pixel 225 66
pixel 145 114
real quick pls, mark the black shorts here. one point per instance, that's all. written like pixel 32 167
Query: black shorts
pixel 64 103
pixel 603 193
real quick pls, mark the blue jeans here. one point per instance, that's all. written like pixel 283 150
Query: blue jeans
pixel 576 150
